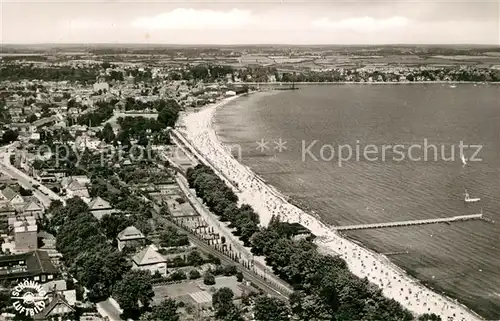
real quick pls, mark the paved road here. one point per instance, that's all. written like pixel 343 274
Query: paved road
pixel 205 213
pixel 247 274
pixel 213 221
pixel 42 193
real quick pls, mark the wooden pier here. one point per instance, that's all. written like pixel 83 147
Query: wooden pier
pixel 460 218
pixel 396 253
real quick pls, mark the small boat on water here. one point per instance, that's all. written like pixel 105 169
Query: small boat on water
pixel 464 162
pixel 453 86
pixel 468 199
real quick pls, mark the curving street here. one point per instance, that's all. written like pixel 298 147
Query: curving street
pixel 42 193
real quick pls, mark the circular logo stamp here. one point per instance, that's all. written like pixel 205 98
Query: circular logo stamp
pixel 29 298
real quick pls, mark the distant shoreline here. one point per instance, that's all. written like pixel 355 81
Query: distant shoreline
pixel 306 83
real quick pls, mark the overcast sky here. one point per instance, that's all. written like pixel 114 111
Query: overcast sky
pixel 255 22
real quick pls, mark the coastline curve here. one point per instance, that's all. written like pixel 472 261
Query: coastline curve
pixel 267 201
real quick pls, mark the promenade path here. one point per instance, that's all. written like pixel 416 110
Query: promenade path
pixel 181 141
pixel 237 245
pixel 245 254
pixel 263 280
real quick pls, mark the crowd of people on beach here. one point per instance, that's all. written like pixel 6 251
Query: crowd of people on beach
pixel 362 262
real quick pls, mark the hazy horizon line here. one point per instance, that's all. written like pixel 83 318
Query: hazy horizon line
pixel 245 44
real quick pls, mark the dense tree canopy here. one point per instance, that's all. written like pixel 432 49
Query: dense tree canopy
pixel 222 201
pixel 171 237
pixel 107 134
pixel 86 251
pixel 429 317
pixel 225 309
pixel 9 136
pixel 134 288
pixel 166 311
pixel 14 72
pixel 97 117
pixel 144 129
pixel 270 308
pixel 325 288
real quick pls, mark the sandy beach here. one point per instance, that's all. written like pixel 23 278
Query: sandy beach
pixel 267 202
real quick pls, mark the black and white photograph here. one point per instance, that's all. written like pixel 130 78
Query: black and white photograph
pixel 252 160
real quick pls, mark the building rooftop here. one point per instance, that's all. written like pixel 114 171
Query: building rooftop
pixel 26 265
pixel 26 227
pixel 148 255
pixel 57 304
pixel 58 285
pixel 298 229
pixel 32 206
pixel 9 193
pixel 201 297
pixel 6 207
pixel 43 121
pixel 21 221
pixel 99 204
pixel 130 233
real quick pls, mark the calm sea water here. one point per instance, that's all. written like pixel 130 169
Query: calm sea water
pixel 461 259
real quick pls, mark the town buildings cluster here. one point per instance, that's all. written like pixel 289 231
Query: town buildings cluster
pixel 58 119
pixel 40 118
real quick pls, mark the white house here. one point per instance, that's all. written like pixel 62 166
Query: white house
pixel 35 136
pixel 25 236
pixel 148 259
pixel 85 142
pixel 15 200
pixel 101 86
pixel 129 235
pixel 31 208
pixel 75 186
pixel 99 207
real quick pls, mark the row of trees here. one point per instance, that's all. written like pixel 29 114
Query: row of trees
pixel 264 308
pixel 157 105
pixel 98 265
pixel 9 136
pixel 86 251
pixel 325 289
pixel 147 130
pixel 451 74
pixel 207 73
pixel 122 198
pixel 15 72
pixel 222 201
pixel 97 117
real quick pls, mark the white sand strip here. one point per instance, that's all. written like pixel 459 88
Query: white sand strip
pixel 266 201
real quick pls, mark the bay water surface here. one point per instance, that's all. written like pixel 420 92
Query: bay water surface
pixel 461 259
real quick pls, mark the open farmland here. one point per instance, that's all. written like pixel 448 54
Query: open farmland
pixel 256 59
